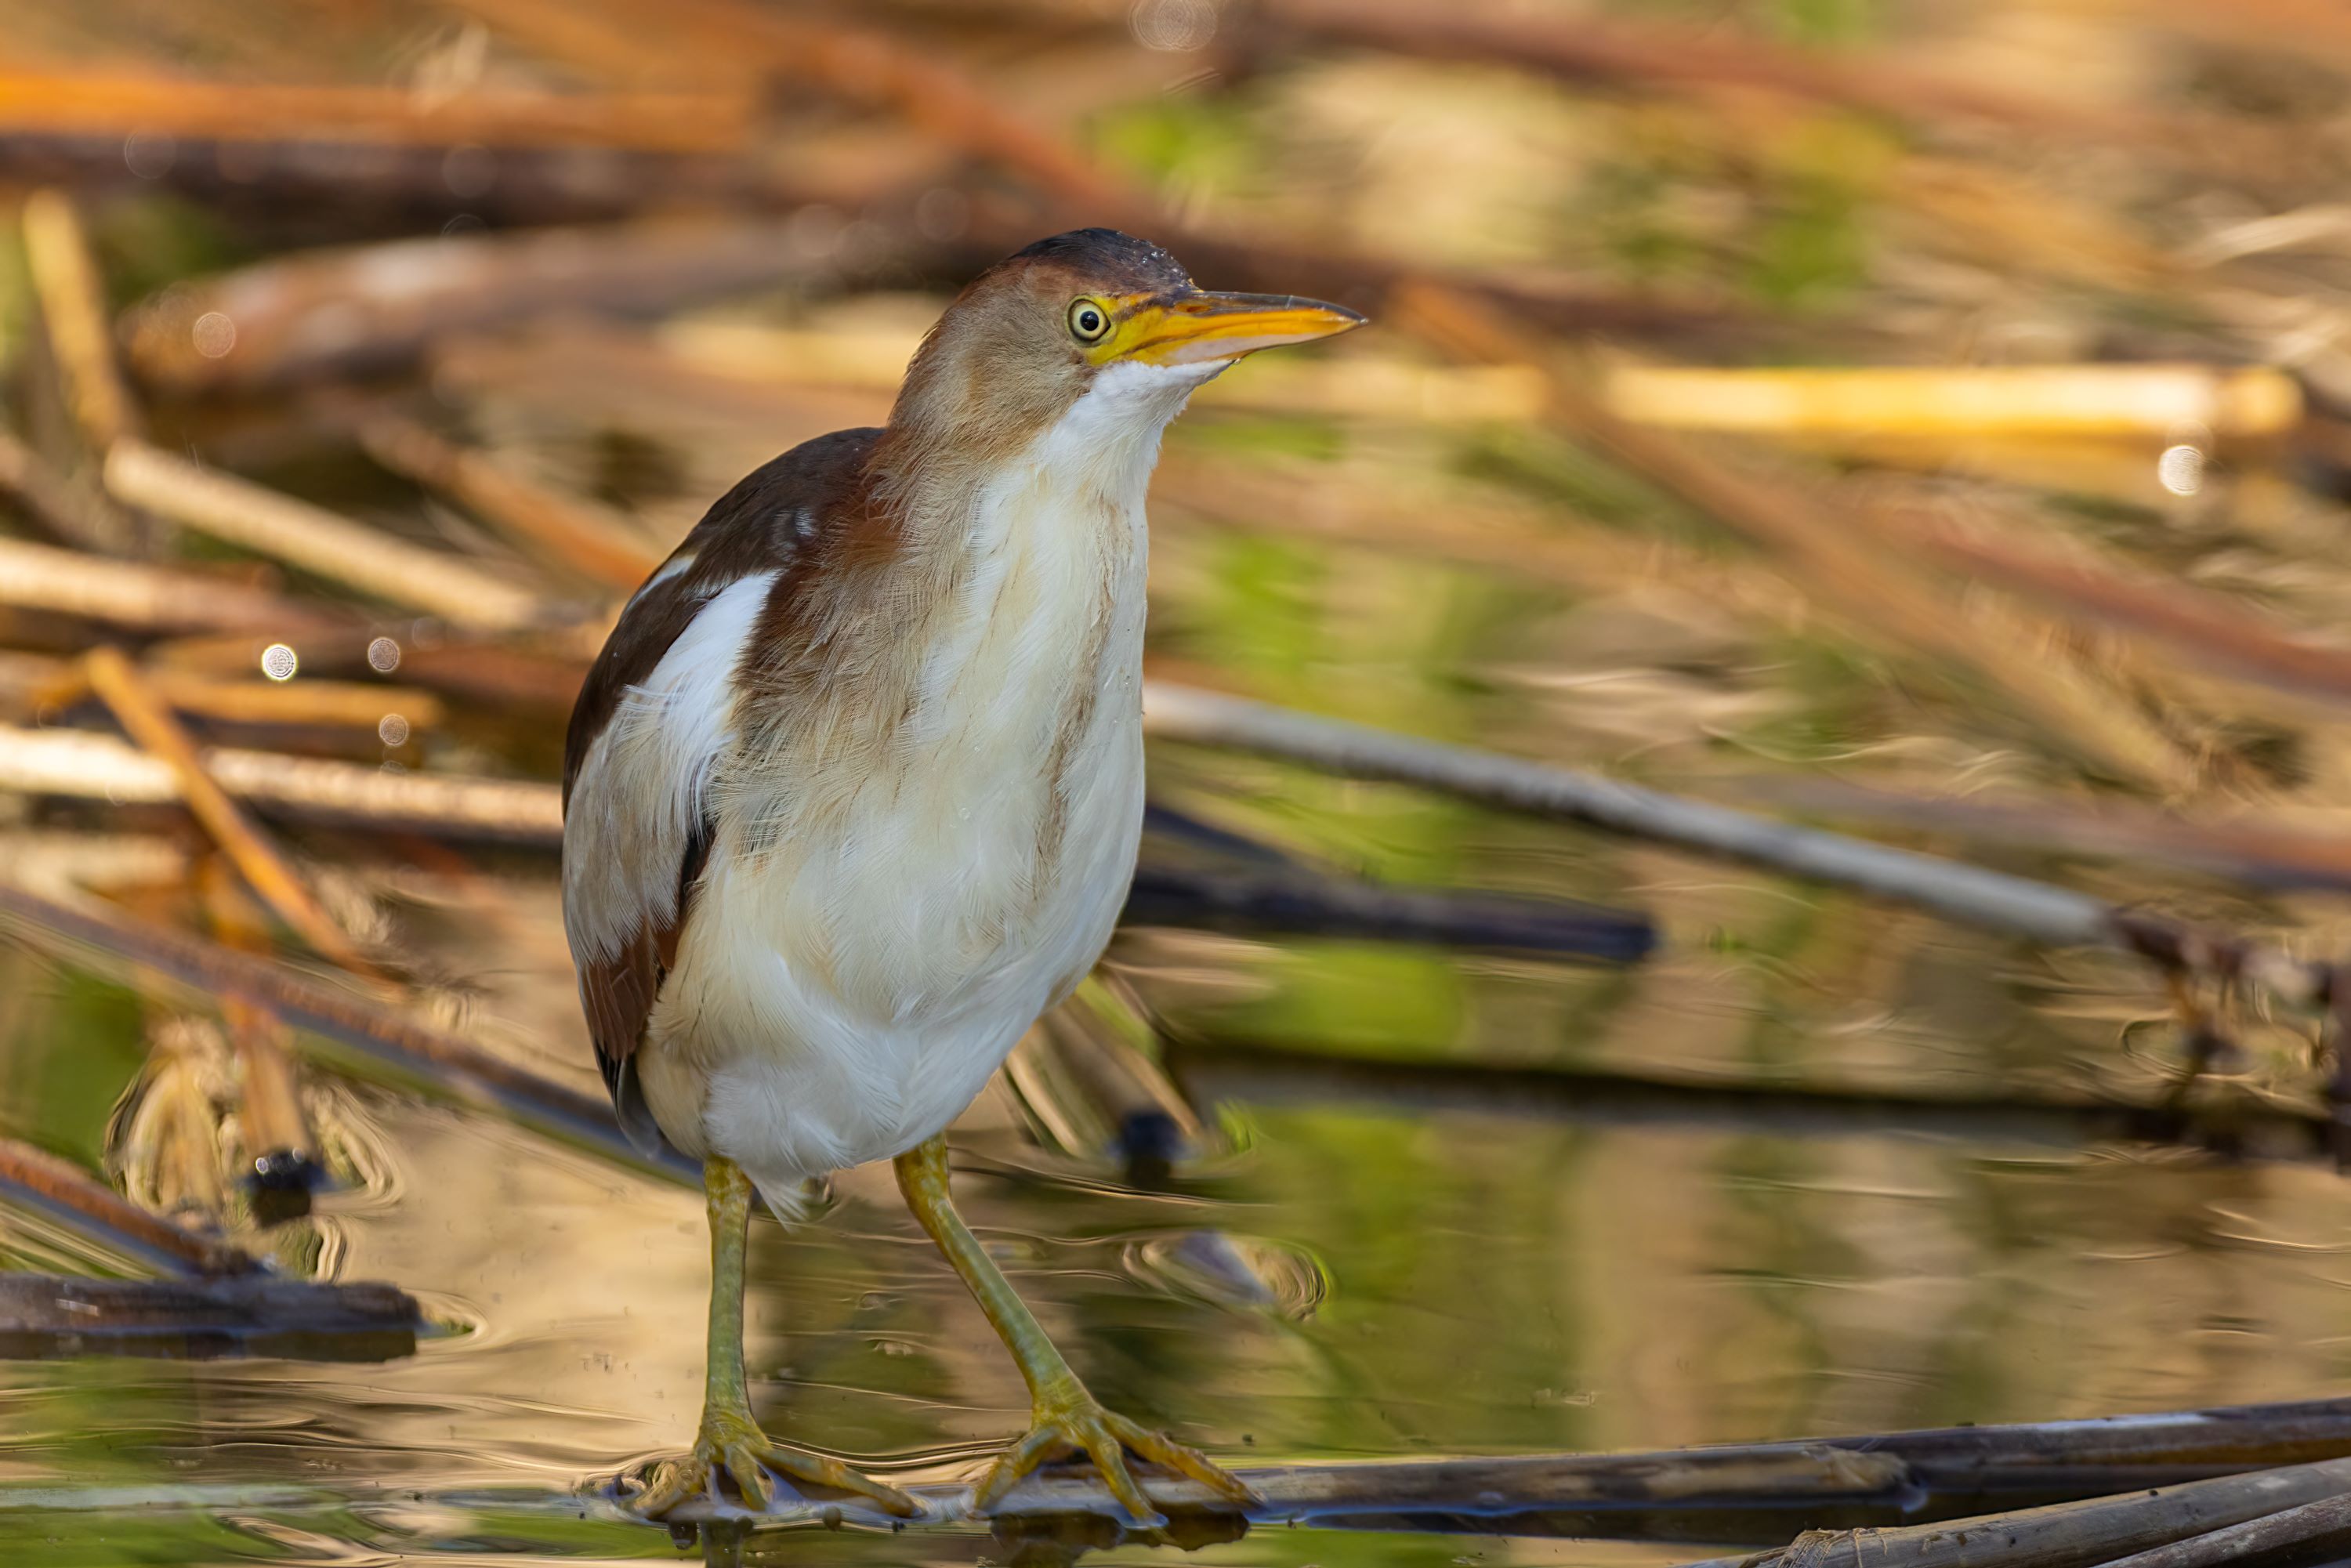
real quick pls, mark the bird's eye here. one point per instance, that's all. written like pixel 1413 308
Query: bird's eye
pixel 1088 321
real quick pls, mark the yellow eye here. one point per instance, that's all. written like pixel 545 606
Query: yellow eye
pixel 1089 321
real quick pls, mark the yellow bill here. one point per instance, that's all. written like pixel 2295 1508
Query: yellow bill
pixel 1197 327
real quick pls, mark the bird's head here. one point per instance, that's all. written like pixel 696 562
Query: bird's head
pixel 1094 335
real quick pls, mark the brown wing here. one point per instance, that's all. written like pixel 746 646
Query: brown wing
pixel 635 834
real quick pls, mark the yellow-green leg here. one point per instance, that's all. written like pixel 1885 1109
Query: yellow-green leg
pixel 730 1443
pixel 1064 1416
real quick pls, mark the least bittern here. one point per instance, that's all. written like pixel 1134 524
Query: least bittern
pixel 853 793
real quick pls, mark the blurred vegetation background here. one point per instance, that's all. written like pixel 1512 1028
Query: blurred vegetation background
pixel 1922 421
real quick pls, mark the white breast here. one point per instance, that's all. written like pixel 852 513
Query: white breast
pixel 845 992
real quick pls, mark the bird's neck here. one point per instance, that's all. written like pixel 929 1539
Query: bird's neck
pixel 938 476
pixel 996 613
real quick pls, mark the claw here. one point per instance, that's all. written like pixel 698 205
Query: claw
pixel 1105 1438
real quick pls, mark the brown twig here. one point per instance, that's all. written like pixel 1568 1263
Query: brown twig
pixel 73 308
pixel 271 524
pixel 862 65
pixel 560 527
pixel 375 307
pixel 151 726
pixel 96 1210
pixel 44 1315
pixel 56 504
pixel 292 184
pixel 241 110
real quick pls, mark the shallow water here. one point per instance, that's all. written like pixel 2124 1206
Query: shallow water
pixel 1360 1265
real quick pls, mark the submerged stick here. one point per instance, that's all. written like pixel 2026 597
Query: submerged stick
pixel 1994 901
pixel 2069 1535
pixel 44 1316
pixel 98 1211
pixel 2293 1530
pixel 271 524
pixel 265 869
pixel 1726 1492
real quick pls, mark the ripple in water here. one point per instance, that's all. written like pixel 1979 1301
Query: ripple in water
pixel 1229 1270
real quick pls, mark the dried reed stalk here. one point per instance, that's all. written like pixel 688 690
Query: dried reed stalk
pixel 73 308
pixel 97 767
pixel 278 525
pixel 151 726
pixel 144 598
pixel 556 525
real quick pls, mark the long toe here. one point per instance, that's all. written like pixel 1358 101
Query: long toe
pixel 740 1460
pixel 1035 1445
pixel 1168 1454
pixel 1103 1445
pixel 817 1469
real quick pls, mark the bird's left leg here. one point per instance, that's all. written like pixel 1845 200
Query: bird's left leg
pixel 1064 1416
pixel 730 1442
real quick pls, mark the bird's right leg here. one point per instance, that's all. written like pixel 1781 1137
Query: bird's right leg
pixel 730 1442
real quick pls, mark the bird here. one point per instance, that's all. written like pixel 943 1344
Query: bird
pixel 852 794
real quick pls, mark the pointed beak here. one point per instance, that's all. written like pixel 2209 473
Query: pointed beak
pixel 1200 326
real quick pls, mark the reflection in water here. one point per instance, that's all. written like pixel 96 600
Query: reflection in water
pixel 1355 1279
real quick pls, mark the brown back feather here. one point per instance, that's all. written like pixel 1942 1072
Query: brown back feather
pixel 756 527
